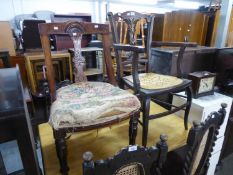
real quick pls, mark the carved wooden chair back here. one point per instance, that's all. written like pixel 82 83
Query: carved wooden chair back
pixel 200 143
pixel 75 30
pixel 132 28
pixel 132 160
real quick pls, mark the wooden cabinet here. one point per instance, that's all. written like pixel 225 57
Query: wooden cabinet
pixel 63 42
pixel 163 60
pixel 181 25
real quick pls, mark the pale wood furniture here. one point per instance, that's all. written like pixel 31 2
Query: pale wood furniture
pixel 35 63
pixel 131 160
pixel 181 25
pixel 6 38
pixel 75 30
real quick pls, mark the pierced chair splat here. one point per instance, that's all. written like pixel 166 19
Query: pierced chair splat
pixel 85 105
pixel 132 28
pixel 149 85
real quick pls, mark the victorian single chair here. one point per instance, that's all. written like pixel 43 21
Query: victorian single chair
pixel 84 105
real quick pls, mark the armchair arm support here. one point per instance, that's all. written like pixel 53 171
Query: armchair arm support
pixel 135 50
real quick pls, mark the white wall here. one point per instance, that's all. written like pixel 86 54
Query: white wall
pixel 11 8
pixel 97 8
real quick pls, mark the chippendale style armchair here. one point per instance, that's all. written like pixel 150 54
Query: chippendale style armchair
pixel 132 160
pixel 149 85
pixel 193 158
pixel 85 105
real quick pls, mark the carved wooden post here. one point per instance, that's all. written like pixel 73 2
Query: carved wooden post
pixel 133 125
pixel 88 164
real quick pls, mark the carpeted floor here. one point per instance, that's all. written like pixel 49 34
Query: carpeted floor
pixel 106 142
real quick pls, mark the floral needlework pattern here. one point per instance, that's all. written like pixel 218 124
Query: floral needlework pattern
pixel 88 103
pixel 156 81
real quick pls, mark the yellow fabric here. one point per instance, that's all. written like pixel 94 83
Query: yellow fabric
pixel 156 81
pixel 107 141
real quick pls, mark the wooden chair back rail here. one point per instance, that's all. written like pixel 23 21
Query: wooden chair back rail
pixel 133 21
pixel 140 161
pixel 62 28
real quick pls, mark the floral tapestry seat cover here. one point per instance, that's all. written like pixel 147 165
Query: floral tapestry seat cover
pixel 87 103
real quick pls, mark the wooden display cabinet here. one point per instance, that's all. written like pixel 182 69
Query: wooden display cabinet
pixel 36 67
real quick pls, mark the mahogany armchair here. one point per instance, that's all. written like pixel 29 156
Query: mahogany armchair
pixel 84 105
pixel 132 160
pixel 147 86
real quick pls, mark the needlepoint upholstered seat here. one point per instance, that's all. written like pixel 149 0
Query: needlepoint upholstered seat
pixel 88 103
pixel 85 105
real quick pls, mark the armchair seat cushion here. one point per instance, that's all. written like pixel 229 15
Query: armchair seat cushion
pixel 155 81
pixel 89 103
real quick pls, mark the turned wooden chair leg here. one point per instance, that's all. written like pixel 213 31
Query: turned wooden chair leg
pixel 145 122
pixel 61 150
pixel 133 127
pixel 187 109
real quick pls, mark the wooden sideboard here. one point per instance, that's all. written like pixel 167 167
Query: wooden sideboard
pixel 163 60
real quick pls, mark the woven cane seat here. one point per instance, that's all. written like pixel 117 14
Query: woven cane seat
pixel 155 81
pixel 86 103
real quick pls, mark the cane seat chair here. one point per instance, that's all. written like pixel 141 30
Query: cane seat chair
pixel 147 86
pixel 193 158
pixel 84 105
pixel 132 160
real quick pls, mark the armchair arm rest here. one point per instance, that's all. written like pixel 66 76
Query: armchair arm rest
pixel 173 44
pixel 127 47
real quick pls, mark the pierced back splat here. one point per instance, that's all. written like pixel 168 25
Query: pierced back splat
pixel 76 31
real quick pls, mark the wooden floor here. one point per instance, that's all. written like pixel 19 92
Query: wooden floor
pixel 107 141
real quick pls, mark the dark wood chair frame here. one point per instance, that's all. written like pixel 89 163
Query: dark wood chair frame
pixel 68 28
pixel 147 95
pixel 150 160
pixel 181 161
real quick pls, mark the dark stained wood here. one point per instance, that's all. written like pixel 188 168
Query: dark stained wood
pixel 14 119
pixel 145 95
pixel 5 56
pixel 182 160
pixel 148 161
pixel 79 28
